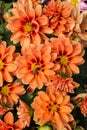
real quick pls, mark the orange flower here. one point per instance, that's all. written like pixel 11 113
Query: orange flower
pixel 35 66
pixel 66 54
pixel 27 23
pixel 59 14
pixel 83 106
pixel 63 84
pixel 7 66
pixel 10 93
pixel 53 107
pixel 9 123
pixel 23 112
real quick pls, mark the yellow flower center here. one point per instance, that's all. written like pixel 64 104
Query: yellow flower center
pixel 28 28
pixel 74 2
pixel 64 60
pixel 5 90
pixel 35 67
pixel 1 64
pixel 54 107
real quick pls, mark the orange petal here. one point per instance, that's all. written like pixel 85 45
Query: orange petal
pixel 43 20
pixel 19 90
pixel 59 99
pixel 11 67
pixel 66 100
pixel 57 120
pixel 43 77
pixel 38 10
pixel 74 68
pixel 46 29
pixel 9 118
pixel 10 49
pixel 64 117
pixel 1 79
pixel 7 76
pixel 44 96
pixel 65 109
pixel 27 78
pixel 49 72
pixel 15 35
pixel 76 60
pixel 49 65
pixel 8 58
pixel 25 41
pixel 14 98
pixel 36 38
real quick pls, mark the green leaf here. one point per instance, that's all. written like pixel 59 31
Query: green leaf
pixel 7 6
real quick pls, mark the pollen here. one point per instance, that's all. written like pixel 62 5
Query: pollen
pixel 35 68
pixel 5 90
pixel 54 107
pixel 74 2
pixel 1 64
pixel 28 28
pixel 64 60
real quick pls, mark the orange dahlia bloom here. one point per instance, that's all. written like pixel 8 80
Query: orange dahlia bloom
pixel 27 23
pixel 23 112
pixel 63 84
pixel 10 93
pixel 35 66
pixel 59 14
pixel 66 54
pixel 9 124
pixel 53 107
pixel 7 65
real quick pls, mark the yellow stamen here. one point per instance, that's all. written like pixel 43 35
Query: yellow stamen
pixel 1 64
pixel 35 67
pixel 28 28
pixel 64 60
pixel 5 90
pixel 74 2
pixel 54 107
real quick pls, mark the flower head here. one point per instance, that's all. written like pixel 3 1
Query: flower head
pixel 7 65
pixel 27 23
pixel 59 14
pixel 52 107
pixel 63 84
pixel 66 54
pixel 10 93
pixel 35 66
pixel 9 123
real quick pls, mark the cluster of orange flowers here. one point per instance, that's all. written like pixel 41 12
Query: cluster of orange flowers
pixel 52 43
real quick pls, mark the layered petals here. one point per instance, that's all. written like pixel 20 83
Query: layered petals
pixel 47 110
pixel 7 65
pixel 37 66
pixel 67 54
pixel 26 22
pixel 9 93
pixel 59 14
